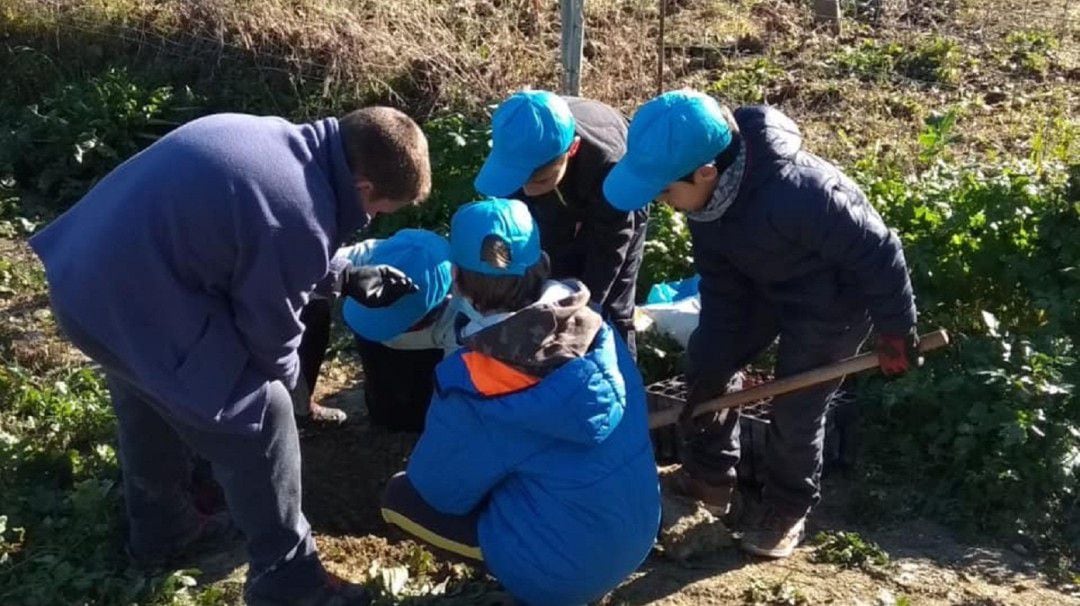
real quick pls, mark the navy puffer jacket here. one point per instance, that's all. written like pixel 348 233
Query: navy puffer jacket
pixel 801 236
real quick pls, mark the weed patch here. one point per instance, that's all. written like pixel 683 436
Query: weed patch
pixel 1030 52
pixel 848 550
pixel 748 83
pixel 761 593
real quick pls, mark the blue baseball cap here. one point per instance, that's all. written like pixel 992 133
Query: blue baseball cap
pixel 669 137
pixel 424 257
pixel 509 220
pixel 528 130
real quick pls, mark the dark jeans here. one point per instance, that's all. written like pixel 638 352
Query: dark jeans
pixel 455 536
pixel 793 457
pixel 315 317
pixel 259 473
pixel 398 384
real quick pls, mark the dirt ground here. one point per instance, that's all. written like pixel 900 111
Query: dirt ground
pixel 345 469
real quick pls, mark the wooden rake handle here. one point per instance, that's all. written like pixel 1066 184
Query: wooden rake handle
pixel 837 370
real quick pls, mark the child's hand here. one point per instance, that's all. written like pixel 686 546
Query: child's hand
pixel 897 353
pixel 376 285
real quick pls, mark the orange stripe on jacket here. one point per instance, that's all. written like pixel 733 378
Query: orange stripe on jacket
pixel 494 378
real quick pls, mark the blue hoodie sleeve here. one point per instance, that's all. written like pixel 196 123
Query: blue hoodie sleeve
pixel 276 267
pixel 456 462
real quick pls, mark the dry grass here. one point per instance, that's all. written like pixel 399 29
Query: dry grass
pixel 432 56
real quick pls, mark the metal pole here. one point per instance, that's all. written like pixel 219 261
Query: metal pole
pixel 660 49
pixel 828 12
pixel 573 37
pixel 1065 21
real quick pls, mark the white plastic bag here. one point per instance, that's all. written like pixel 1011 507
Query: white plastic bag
pixel 678 318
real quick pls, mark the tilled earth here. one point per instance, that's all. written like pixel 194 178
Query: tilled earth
pixel 346 467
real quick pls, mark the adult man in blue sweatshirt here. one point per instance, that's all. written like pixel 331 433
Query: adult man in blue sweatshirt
pixel 183 273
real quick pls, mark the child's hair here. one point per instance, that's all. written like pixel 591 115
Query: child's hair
pixel 388 149
pixel 490 294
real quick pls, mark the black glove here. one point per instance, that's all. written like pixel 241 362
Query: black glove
pixel 376 285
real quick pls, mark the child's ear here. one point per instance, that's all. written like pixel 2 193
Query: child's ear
pixel 366 189
pixel 705 174
pixel 574 147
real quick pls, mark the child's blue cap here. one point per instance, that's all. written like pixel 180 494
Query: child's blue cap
pixel 528 130
pixel 424 257
pixel 670 137
pixel 509 220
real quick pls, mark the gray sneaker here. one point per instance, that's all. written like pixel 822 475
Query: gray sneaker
pixel 774 537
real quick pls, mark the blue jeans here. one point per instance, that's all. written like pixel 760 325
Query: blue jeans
pixel 259 473
pixel 796 440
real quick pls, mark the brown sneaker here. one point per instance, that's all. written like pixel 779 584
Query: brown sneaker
pixel 774 538
pixel 717 497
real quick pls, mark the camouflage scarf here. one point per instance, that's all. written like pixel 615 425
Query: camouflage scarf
pixel 727 189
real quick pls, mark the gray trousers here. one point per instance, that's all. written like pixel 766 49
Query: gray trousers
pixel 796 439
pixel 259 473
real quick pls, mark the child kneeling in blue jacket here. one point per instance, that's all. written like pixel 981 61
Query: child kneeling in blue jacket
pixel 535 457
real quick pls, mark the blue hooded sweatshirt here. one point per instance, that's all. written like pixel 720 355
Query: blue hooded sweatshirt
pixel 189 263
pixel 550 439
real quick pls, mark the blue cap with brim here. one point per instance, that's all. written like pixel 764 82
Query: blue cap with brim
pixel 424 257
pixel 507 219
pixel 669 137
pixel 528 131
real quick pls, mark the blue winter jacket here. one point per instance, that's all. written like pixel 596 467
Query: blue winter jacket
pixel 189 263
pixel 562 469
pixel 801 236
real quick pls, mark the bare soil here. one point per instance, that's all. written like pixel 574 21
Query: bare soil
pixel 345 468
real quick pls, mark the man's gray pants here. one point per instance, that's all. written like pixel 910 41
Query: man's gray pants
pixel 796 438
pixel 259 473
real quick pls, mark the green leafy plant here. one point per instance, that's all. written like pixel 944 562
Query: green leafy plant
pixel 849 550
pixel 659 356
pixel 54 150
pixel 870 61
pixel 17 278
pixel 936 136
pixel 780 593
pixel 935 59
pixel 419 578
pixel 748 83
pixel 668 252
pixel 1030 51
pixel 989 431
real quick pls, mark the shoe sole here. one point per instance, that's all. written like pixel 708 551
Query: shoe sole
pixel 775 554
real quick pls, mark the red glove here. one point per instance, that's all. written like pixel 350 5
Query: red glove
pixel 898 353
